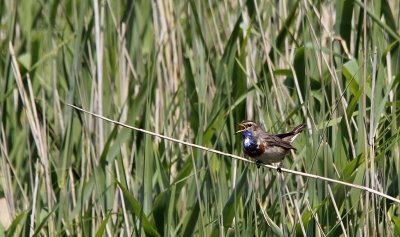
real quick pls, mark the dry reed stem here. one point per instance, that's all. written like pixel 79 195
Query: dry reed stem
pixel 363 188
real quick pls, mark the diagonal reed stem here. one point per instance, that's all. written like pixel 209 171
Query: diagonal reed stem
pixel 366 189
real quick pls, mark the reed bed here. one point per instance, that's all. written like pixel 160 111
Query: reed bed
pixel 190 71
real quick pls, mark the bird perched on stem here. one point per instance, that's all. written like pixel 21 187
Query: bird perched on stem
pixel 267 148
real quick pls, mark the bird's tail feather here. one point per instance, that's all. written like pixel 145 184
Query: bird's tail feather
pixel 296 131
pixel 290 136
pixel 299 128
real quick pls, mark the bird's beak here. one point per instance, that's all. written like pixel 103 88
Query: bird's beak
pixel 242 128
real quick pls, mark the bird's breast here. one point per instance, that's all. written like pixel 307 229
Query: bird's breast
pixel 251 147
pixel 247 142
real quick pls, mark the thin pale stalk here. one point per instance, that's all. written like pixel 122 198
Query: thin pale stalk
pixel 318 177
pixel 337 211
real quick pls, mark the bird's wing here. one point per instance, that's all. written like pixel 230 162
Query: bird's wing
pixel 273 140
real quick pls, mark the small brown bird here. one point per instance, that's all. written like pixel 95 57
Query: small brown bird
pixel 267 148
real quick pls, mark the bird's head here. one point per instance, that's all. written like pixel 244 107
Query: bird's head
pixel 247 126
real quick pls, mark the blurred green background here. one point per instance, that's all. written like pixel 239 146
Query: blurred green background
pixel 193 70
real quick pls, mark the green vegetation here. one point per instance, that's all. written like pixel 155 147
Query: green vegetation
pixel 192 70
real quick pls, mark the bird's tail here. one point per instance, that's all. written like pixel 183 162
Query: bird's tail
pixel 299 128
pixel 296 131
pixel 290 136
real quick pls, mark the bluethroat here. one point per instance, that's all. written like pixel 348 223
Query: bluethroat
pixel 267 148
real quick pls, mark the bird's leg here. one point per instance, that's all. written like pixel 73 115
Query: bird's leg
pixel 280 165
pixel 258 163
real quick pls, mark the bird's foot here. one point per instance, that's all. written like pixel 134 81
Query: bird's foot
pixel 258 163
pixel 279 167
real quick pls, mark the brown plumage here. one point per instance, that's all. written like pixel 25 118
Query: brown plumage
pixel 264 147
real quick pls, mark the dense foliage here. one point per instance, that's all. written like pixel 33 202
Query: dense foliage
pixel 192 70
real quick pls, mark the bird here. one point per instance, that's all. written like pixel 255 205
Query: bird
pixel 267 148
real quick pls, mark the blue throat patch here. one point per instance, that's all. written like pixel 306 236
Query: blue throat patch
pixel 249 143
